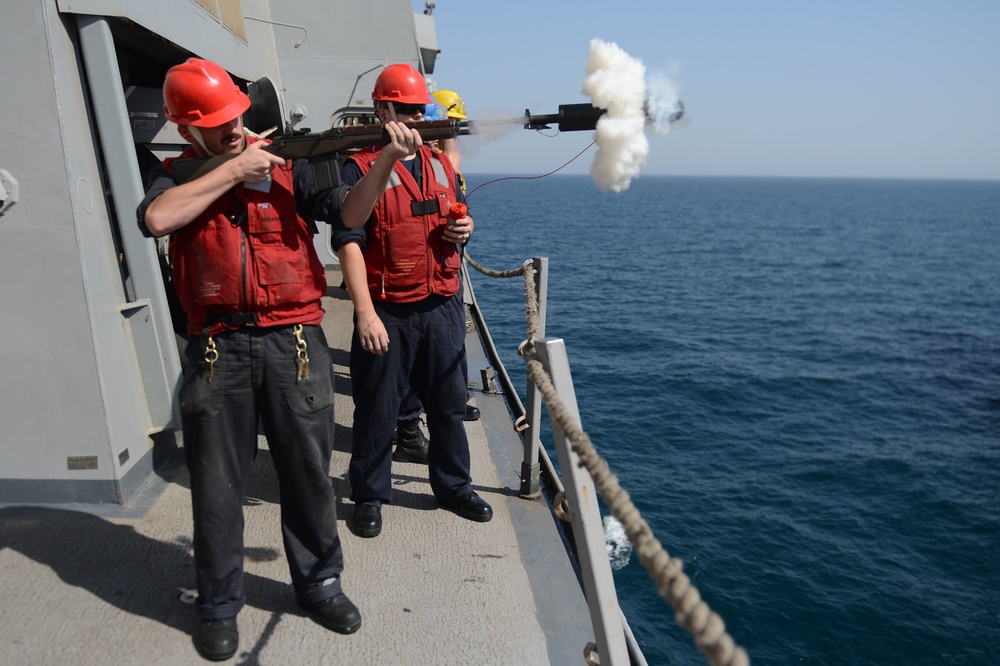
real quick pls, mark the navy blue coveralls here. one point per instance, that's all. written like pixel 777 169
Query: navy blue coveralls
pixel 427 354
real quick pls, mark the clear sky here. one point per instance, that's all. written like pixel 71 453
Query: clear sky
pixel 852 88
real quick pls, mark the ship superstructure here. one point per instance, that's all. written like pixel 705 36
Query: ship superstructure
pixel 95 528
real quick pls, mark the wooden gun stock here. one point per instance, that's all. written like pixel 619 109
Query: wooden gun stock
pixel 323 145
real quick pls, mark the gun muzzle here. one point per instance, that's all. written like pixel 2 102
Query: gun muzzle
pixel 571 118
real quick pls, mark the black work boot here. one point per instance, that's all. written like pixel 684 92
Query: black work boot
pixel 410 443
pixel 217 640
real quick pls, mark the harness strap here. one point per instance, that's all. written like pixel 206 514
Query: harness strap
pixel 424 207
pixel 232 318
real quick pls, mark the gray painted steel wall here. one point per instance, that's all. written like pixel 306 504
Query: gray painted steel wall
pixel 71 400
pixel 88 364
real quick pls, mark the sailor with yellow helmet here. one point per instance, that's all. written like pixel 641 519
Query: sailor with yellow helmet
pixel 451 104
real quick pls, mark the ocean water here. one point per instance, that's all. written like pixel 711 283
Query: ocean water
pixel 798 382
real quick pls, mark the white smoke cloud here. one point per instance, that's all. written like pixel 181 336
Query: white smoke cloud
pixel 617 82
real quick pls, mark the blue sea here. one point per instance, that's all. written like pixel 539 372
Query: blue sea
pixel 798 382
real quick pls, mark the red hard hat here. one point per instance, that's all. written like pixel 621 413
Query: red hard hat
pixel 200 93
pixel 401 83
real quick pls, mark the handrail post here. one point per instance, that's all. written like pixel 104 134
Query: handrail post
pixel 581 498
pixel 532 443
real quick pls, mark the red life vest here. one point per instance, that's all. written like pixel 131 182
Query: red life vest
pixel 265 263
pixel 406 256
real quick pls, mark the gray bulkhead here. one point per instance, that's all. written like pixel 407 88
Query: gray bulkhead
pixel 87 351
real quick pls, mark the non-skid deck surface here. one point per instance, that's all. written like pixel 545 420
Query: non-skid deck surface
pixel 107 585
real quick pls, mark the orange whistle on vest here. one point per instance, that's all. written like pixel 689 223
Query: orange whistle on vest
pixel 458 211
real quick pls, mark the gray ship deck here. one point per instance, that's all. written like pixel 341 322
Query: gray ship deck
pixel 87 584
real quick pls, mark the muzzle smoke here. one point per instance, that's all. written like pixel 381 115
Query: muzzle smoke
pixel 617 82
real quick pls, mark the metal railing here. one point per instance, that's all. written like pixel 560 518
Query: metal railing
pixel 549 379
pixel 614 637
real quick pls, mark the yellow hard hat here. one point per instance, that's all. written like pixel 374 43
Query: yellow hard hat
pixel 452 103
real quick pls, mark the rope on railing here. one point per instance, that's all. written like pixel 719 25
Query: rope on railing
pixel 494 274
pixel 691 612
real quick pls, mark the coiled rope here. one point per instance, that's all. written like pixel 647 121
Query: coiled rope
pixel 691 612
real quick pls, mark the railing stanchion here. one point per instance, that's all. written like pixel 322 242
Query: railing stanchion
pixel 588 531
pixel 532 443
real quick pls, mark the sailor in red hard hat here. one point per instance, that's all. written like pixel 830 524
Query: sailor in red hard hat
pixel 401 262
pixel 250 282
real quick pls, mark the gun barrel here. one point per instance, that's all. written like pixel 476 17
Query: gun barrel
pixel 576 117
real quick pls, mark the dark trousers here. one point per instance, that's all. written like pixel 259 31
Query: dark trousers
pixel 255 378
pixel 410 407
pixel 427 354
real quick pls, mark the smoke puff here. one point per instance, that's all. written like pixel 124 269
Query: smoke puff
pixel 490 125
pixel 663 102
pixel 616 82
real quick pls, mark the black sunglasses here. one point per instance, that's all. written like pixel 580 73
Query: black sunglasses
pixel 409 109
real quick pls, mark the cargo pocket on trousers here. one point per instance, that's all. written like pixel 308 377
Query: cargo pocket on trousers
pixel 313 395
pixel 198 396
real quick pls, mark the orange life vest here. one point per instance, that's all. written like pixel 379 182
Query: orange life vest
pixel 406 256
pixel 249 252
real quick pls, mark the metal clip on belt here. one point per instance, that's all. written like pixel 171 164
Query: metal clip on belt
pixel 301 354
pixel 211 356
